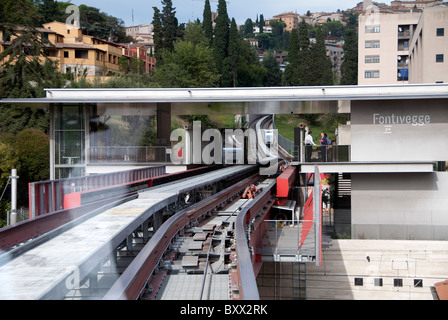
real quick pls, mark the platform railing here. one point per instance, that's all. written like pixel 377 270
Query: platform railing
pixel 330 153
pixel 133 154
pixel 48 196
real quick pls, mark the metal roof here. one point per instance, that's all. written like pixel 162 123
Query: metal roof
pixel 258 94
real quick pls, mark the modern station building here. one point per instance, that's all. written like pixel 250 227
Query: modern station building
pixel 396 159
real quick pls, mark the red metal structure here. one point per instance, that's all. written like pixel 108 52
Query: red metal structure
pixel 285 181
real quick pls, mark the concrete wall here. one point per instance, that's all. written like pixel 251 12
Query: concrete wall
pixel 404 206
pixel 422 262
pixel 399 130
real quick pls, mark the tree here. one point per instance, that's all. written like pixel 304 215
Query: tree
pixel 166 30
pixel 158 35
pixel 349 67
pixel 248 30
pixel 320 64
pixel 187 66
pixel 304 71
pixel 261 23
pixel 170 25
pixel 273 77
pixel 221 39
pixel 207 23
pixel 49 10
pixel 230 68
pixel 291 77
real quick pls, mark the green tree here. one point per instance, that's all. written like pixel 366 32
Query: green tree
pixel 230 69
pixel 49 10
pixel 349 67
pixel 170 25
pixel 273 77
pixel 221 39
pixel 304 71
pixel 322 71
pixel 248 30
pixel 188 66
pixel 250 72
pixel 158 35
pixel 290 77
pixel 207 23
pixel 18 12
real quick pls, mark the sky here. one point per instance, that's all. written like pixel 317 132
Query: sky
pixel 135 12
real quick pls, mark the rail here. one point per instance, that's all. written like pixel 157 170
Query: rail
pixel 132 282
pixel 245 257
pixel 48 196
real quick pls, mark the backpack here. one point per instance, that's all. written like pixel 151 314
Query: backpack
pixel 328 141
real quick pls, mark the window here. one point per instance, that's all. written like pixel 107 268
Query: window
pixel 372 44
pixel 440 32
pixel 372 74
pixel 358 281
pixel 398 282
pixel 439 57
pixel 378 282
pixel 81 54
pixel 66 54
pixel 373 29
pixel 372 59
pixel 418 283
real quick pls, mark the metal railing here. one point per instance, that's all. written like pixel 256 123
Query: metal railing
pixel 133 154
pixel 330 153
pixel 48 196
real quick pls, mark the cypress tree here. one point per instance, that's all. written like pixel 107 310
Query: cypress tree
pixel 170 24
pixel 158 35
pixel 207 23
pixel 304 71
pixel 322 73
pixel 229 73
pixel 290 75
pixel 221 39
pixel 349 67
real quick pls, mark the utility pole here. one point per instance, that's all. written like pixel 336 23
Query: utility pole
pixel 13 177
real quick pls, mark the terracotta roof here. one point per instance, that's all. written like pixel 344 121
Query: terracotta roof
pixel 442 290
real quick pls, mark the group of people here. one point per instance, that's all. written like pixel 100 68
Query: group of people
pixel 324 142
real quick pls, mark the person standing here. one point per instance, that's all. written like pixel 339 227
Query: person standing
pixel 323 146
pixel 309 143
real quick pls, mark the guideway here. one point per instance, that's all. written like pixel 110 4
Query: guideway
pixel 51 269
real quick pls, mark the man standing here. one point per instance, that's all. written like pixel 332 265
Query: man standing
pixel 309 143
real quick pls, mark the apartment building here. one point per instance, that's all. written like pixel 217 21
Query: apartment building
pixel 291 20
pixel 83 55
pixel 383 47
pixel 428 60
pixel 406 47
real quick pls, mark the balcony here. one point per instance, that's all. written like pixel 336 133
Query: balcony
pixel 331 153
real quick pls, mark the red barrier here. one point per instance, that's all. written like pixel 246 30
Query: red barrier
pixel 285 181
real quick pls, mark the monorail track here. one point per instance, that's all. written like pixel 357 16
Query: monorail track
pixel 53 267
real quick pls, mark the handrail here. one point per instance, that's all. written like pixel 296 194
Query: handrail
pixel 246 276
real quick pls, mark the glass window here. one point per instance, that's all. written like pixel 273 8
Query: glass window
pixel 398 282
pixel 440 32
pixel 439 57
pixel 378 282
pixel 373 29
pixel 358 281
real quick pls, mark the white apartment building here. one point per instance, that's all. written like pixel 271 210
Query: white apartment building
pixel 383 47
pixel 428 48
pixel 401 48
